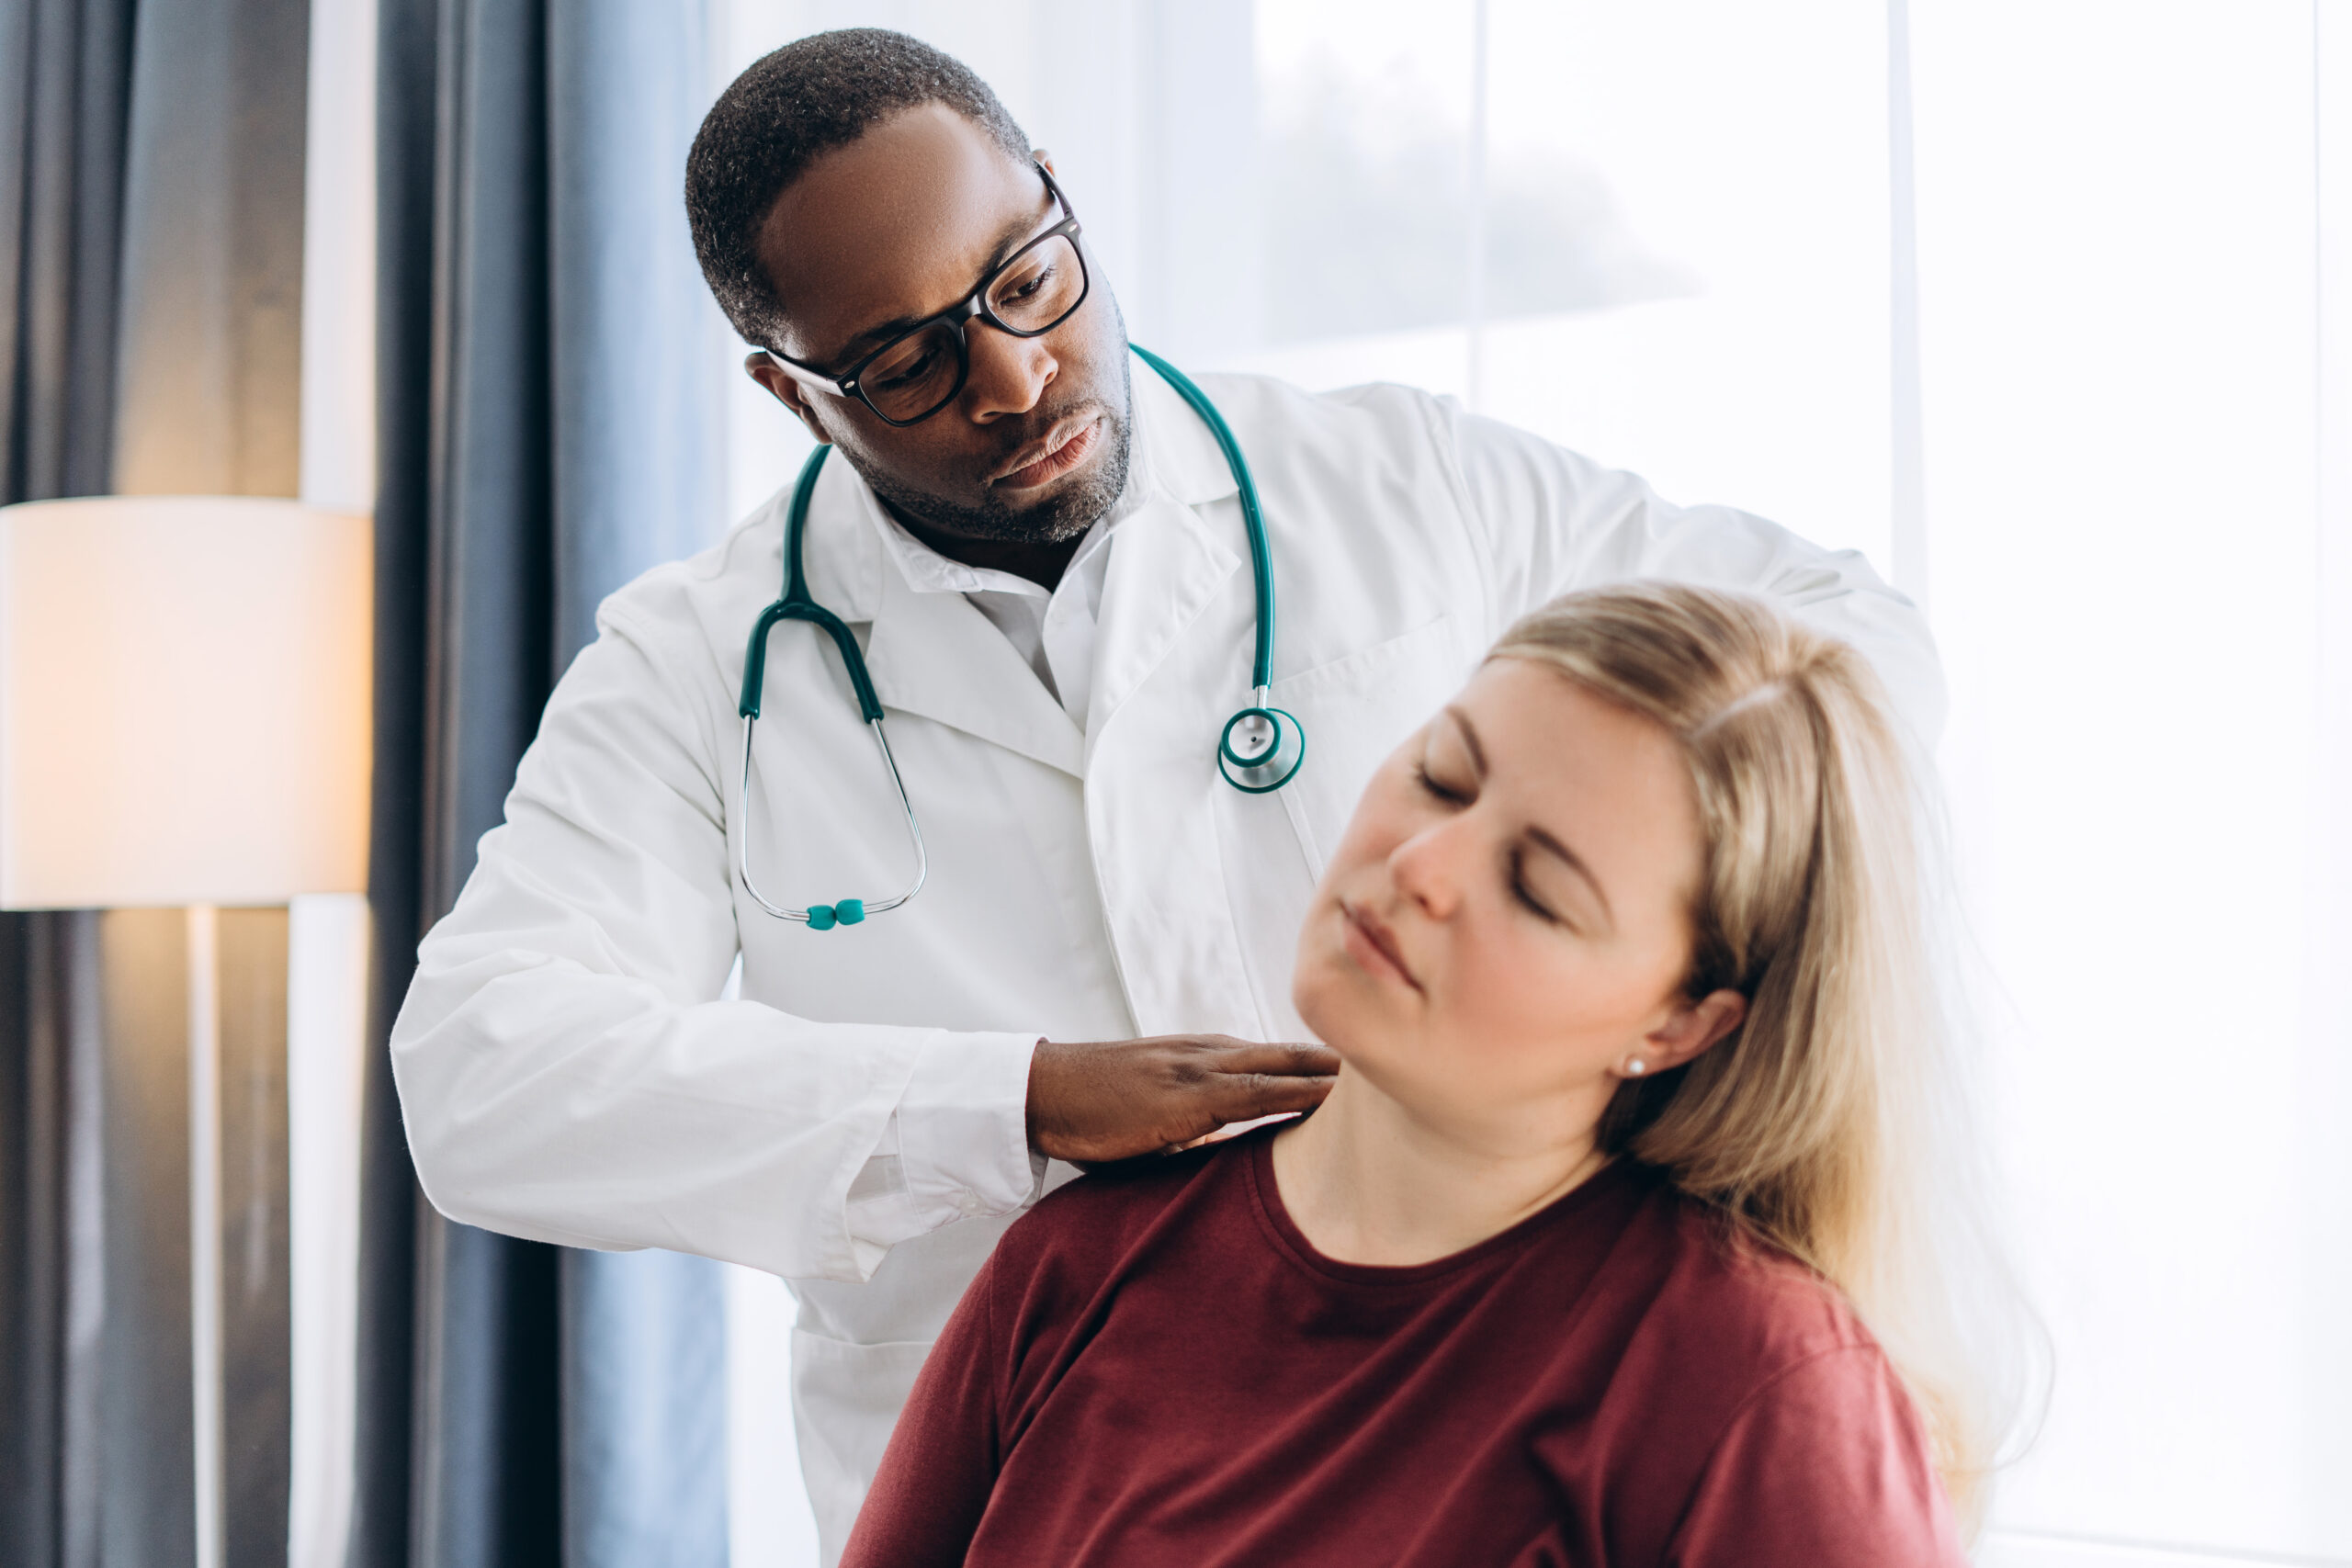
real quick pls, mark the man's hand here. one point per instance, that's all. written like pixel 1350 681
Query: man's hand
pixel 1114 1100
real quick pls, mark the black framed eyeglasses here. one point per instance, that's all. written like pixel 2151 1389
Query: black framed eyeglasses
pixel 919 372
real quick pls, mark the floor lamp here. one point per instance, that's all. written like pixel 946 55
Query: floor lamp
pixel 185 724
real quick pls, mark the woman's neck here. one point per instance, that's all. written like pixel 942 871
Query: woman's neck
pixel 1368 1182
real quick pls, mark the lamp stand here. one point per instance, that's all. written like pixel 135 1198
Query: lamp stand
pixel 204 1225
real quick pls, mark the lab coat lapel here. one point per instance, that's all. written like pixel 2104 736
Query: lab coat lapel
pixel 1167 561
pixel 1165 569
pixel 1172 657
pixel 934 654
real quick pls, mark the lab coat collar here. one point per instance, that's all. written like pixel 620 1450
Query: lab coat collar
pixel 936 655
pixel 928 649
pixel 931 652
pixel 1177 451
pixel 842 553
pixel 848 547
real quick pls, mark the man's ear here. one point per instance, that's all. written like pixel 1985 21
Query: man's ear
pixel 1044 158
pixel 1693 1027
pixel 785 391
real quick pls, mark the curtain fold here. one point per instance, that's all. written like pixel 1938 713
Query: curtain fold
pixel 64 102
pixel 64 96
pixel 210 382
pixel 51 1275
pixel 544 435
pixel 638 480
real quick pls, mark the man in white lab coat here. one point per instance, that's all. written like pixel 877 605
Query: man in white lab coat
pixel 1049 574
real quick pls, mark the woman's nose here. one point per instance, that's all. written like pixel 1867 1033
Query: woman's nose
pixel 1008 374
pixel 1431 867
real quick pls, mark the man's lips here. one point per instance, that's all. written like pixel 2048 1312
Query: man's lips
pixel 1373 945
pixel 1041 462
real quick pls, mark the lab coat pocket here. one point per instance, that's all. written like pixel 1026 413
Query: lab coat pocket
pixel 845 1399
pixel 1355 711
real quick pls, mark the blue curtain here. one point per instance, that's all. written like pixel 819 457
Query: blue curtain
pixel 546 436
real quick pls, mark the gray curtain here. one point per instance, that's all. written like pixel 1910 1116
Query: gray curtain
pixel 51 1278
pixel 65 85
pixel 151 220
pixel 545 435
pixel 64 97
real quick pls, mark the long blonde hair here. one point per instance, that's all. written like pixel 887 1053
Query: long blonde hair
pixel 1831 1124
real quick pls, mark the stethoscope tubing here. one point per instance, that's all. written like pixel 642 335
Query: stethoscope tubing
pixel 1261 567
pixel 1260 772
pixel 861 908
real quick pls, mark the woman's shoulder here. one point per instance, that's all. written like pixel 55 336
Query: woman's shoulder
pixel 1795 1436
pixel 1722 1315
pixel 1742 1388
pixel 1090 1225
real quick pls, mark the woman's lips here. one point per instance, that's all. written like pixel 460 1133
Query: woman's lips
pixel 1373 945
pixel 1057 460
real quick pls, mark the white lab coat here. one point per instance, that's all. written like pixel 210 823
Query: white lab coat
pixel 566 1069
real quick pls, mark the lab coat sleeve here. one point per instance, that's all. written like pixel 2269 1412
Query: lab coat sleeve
pixel 1551 521
pixel 567 1073
pixel 967 1092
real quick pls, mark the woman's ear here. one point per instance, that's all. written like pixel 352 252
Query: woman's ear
pixel 785 391
pixel 1693 1027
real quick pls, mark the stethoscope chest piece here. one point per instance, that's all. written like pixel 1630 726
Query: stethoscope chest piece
pixel 1261 749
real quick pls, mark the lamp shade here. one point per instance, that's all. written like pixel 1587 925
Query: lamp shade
pixel 185 701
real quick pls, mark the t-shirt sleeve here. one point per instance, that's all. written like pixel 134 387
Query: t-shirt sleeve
pixel 941 1467
pixel 1826 1467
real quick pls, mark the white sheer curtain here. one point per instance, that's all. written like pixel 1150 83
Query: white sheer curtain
pixel 1677 235
pixel 2121 286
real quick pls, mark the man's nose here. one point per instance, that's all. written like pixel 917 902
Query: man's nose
pixel 1009 374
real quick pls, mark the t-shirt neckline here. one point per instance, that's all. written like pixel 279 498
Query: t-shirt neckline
pixel 1283 1232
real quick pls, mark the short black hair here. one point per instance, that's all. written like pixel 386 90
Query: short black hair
pixel 806 98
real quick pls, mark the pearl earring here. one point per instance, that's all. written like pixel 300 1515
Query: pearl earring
pixel 1635 1068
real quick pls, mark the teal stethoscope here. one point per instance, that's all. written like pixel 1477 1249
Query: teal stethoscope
pixel 1258 751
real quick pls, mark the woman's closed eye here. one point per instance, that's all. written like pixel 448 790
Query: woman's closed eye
pixel 1451 767
pixel 1458 789
pixel 1525 895
pixel 1452 794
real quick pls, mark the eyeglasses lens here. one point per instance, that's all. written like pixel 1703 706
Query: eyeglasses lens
pixel 916 375
pixel 1044 284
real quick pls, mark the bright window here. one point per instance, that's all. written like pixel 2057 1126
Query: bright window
pixel 1670 233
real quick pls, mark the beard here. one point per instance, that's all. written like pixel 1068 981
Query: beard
pixel 1056 521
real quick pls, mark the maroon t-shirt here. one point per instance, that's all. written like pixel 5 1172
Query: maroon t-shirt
pixel 1156 1369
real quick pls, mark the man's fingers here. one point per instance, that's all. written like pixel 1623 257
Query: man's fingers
pixel 1287 1059
pixel 1253 1081
pixel 1114 1100
pixel 1244 1097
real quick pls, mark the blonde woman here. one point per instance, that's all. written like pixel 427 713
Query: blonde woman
pixel 1604 1248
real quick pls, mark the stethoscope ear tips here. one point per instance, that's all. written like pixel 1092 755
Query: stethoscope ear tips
pixel 1261 749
